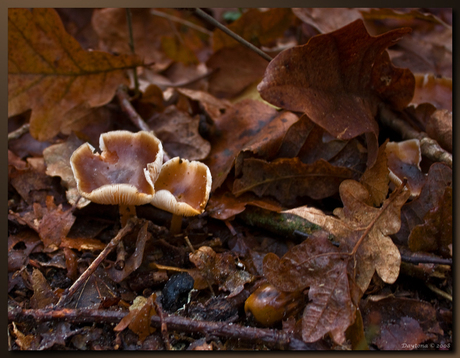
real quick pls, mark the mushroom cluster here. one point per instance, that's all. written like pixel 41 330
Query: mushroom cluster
pixel 129 171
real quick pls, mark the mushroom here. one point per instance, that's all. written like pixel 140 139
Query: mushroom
pixel 123 174
pixel 182 188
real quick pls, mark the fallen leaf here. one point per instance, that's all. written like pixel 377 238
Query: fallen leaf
pixel 434 90
pixel 375 179
pixel 218 268
pixel 51 74
pixel 413 213
pixel 233 130
pixel 365 229
pixel 57 159
pixel 317 264
pixel 138 319
pixel 256 26
pixel 215 107
pixel 52 224
pixel 233 70
pixel 179 134
pixel 327 19
pixel 391 322
pixel 439 127
pixel 32 183
pixel 336 74
pixel 43 295
pixel 223 205
pixel 435 234
pixel 286 179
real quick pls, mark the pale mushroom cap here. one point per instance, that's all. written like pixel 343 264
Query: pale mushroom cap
pixel 125 171
pixel 183 187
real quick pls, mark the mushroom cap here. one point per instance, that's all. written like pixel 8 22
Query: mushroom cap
pixel 183 187
pixel 125 171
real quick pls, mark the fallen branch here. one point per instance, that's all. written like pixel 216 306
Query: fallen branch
pixel 127 107
pixel 274 338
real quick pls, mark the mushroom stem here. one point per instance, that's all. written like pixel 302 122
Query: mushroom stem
pixel 176 224
pixel 126 212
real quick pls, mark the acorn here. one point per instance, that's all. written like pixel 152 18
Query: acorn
pixel 269 306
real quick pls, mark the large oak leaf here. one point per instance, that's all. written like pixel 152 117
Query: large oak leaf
pixel 364 231
pixel 338 79
pixel 51 74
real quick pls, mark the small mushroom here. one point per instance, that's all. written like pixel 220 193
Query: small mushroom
pixel 123 173
pixel 182 188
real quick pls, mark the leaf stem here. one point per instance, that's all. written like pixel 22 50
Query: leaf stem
pixel 131 45
pixel 230 33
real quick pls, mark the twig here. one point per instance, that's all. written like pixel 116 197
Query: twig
pixel 94 265
pixel 127 107
pixel 131 45
pixel 430 148
pixel 270 337
pixel 19 132
pixel 426 260
pixel 438 291
pixel 230 33
pixel 181 21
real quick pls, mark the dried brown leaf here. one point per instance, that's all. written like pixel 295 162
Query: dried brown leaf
pixel 365 229
pixel 260 28
pixel 288 178
pixel 51 74
pixel 57 159
pixel 178 132
pixel 435 234
pixel 233 131
pixel 375 179
pixel 317 264
pixel 335 74
pixel 43 295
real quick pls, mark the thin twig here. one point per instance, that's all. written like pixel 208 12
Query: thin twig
pixel 181 21
pixel 426 260
pixel 277 339
pixel 438 291
pixel 230 33
pixel 94 265
pixel 131 45
pixel 429 147
pixel 19 132
pixel 127 107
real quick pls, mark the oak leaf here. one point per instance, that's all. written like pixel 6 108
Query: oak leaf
pixel 318 264
pixel 338 79
pixel 364 231
pixel 51 74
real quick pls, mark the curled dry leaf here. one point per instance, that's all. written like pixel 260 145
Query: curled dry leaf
pixel 339 73
pixel 51 74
